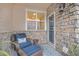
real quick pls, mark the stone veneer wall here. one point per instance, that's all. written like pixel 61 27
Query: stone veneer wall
pixel 4 42
pixel 65 28
pixel 41 35
pixel 5 36
pixel 66 25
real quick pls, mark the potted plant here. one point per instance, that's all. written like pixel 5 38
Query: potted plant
pixel 74 50
pixel 3 53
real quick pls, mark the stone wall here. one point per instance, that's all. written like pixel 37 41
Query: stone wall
pixel 65 25
pixel 64 29
pixel 40 35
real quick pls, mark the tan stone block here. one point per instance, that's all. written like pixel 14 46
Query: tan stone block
pixel 72 9
pixel 77 12
pixel 66 16
pixel 73 17
pixel 77 16
pixel 77 7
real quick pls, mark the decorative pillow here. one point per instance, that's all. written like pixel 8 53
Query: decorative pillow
pixel 21 40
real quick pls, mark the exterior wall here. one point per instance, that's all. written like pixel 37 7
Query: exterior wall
pixel 18 18
pixel 5 18
pixel 65 26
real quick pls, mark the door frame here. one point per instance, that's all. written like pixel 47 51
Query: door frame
pixel 54 44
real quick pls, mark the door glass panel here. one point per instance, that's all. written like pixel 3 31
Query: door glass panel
pixel 51 29
pixel 31 25
pixel 41 25
pixel 31 15
pixel 40 16
pixel 35 20
pixel 51 36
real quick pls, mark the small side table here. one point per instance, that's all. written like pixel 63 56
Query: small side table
pixel 35 41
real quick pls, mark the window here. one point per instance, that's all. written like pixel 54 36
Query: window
pixel 35 20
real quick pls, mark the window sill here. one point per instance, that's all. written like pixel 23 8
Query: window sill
pixel 36 30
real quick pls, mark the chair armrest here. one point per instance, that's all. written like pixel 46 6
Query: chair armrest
pixel 17 47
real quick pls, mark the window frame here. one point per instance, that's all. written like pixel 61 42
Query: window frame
pixel 36 11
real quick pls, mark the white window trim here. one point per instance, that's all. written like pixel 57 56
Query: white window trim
pixel 34 20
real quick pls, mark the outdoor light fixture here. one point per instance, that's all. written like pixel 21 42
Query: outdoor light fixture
pixel 61 7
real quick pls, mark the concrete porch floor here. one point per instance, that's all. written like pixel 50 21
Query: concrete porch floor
pixel 49 50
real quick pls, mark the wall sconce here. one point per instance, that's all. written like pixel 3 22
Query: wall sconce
pixel 61 7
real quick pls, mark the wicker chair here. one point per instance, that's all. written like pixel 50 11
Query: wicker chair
pixel 24 47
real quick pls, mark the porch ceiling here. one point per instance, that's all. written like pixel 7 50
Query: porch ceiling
pixel 37 6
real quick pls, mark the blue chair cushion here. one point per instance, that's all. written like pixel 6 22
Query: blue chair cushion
pixel 25 44
pixel 31 49
pixel 22 40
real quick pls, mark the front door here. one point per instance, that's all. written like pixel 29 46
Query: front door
pixel 51 29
